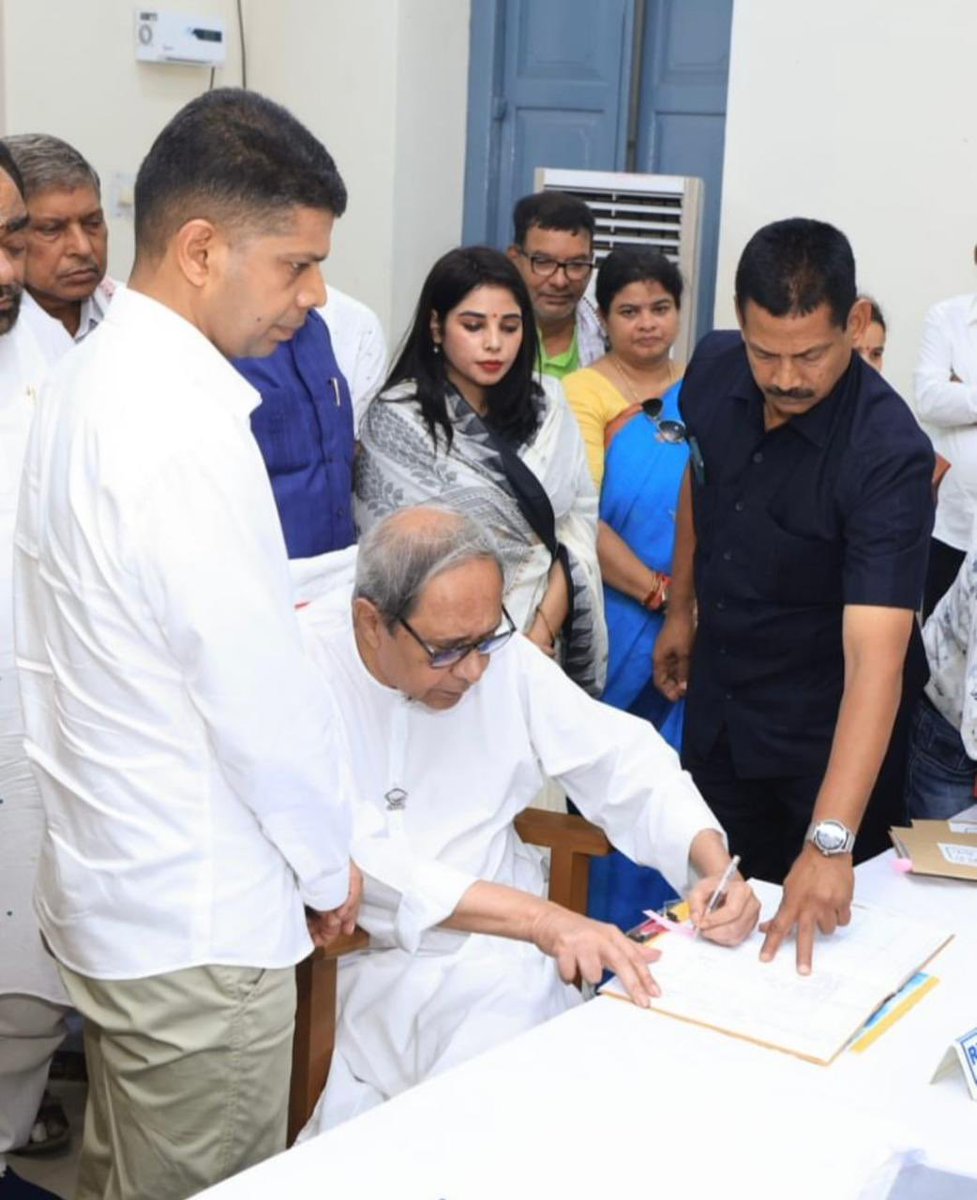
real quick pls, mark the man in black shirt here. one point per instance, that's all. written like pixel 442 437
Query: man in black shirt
pixel 806 513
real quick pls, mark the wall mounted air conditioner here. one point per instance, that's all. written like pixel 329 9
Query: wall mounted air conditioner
pixel 662 212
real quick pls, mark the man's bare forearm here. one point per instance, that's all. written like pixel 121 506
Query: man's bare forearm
pixel 708 853
pixel 497 909
pixel 875 650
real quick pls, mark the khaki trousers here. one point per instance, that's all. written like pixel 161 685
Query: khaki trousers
pixel 188 1078
pixel 31 1029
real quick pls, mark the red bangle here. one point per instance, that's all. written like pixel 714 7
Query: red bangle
pixel 657 598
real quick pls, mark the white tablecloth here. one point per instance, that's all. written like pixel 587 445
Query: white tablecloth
pixel 610 1097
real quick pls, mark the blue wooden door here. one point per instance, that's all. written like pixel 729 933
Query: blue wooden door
pixel 682 111
pixel 551 84
pixel 549 87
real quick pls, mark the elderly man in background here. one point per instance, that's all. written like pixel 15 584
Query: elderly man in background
pixel 32 997
pixel 453 719
pixel 183 743
pixel 68 291
pixel 553 248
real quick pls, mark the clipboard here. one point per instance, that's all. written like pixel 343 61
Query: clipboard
pixel 814 1017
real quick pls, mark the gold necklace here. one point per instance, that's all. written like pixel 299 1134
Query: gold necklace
pixel 619 367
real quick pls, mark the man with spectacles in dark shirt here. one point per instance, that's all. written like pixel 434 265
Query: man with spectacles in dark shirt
pixel 553 249
pixel 806 511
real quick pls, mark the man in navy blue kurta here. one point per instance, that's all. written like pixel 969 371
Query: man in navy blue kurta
pixel 304 427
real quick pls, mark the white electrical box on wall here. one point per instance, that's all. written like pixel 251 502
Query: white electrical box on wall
pixel 168 37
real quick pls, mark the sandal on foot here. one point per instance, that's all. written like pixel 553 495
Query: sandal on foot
pixel 50 1130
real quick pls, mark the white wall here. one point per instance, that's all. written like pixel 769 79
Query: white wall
pixel 382 82
pixel 429 166
pixel 862 113
pixel 71 70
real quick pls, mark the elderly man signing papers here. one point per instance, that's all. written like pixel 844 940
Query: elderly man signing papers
pixel 453 721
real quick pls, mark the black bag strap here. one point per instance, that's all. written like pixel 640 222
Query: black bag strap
pixel 528 492
pixel 536 507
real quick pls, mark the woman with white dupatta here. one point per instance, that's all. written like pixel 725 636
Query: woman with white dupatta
pixel 463 421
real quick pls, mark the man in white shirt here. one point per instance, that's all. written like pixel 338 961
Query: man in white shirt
pixel 32 997
pixel 184 744
pixel 945 385
pixel 359 346
pixel 941 767
pixel 453 723
pixel 67 290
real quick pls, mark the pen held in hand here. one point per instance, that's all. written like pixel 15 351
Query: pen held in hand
pixel 719 895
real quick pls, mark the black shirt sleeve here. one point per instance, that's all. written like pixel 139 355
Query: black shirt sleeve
pixel 888 497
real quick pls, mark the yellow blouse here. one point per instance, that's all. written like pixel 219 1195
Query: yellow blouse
pixel 596 402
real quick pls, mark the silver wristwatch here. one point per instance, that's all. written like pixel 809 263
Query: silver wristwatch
pixel 831 837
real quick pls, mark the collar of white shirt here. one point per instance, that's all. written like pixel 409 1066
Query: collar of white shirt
pixel 141 316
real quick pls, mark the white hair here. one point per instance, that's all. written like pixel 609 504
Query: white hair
pixel 398 557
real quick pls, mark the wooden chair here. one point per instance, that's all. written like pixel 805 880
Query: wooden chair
pixel 572 842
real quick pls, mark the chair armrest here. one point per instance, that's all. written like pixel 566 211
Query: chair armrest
pixel 561 831
pixel 573 842
pixel 346 943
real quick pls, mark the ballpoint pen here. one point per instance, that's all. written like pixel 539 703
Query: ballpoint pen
pixel 721 889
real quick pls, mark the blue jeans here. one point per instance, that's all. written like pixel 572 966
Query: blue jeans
pixel 939 775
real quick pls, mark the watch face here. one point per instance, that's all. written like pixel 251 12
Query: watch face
pixel 830 836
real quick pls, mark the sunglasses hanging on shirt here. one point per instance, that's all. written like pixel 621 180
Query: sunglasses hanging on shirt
pixel 672 432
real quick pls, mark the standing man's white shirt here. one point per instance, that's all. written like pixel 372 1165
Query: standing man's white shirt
pixel 359 346
pixel 52 337
pixel 947 409
pixel 591 343
pixel 25 967
pixel 950 638
pixel 33 1001
pixel 437 794
pixel 185 745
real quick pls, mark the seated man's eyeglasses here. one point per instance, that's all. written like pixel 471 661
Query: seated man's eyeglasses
pixel 440 659
pixel 575 269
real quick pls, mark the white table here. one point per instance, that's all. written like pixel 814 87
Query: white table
pixel 609 1097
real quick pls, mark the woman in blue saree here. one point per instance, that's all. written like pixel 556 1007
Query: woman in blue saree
pixel 628 407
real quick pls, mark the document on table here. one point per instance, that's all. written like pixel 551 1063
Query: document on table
pixel 814 1016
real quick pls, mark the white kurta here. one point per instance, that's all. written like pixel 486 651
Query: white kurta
pixel 359 346
pixel 52 338
pixel 25 966
pixel 945 385
pixel 182 739
pixel 423 998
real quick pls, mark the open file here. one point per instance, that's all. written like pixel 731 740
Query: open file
pixel 814 1016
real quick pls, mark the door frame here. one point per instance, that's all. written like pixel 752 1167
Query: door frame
pixel 486 108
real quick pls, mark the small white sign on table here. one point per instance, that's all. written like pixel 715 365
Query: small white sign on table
pixel 962 1053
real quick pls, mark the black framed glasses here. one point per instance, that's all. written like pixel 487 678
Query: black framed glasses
pixel 442 659
pixel 673 432
pixel 575 269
